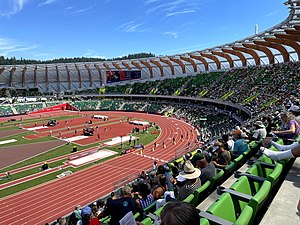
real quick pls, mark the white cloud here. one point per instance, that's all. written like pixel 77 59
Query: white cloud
pixel 150 1
pixel 80 11
pixel 187 49
pixel 173 34
pixel 180 12
pixel 129 27
pixel 271 13
pixel 47 2
pixel 7 46
pixel 173 8
pixel 11 7
pixel 93 54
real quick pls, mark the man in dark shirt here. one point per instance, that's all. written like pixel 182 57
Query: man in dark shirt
pixel 208 170
pixel 121 206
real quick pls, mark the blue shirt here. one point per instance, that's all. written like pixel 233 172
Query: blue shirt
pixel 240 146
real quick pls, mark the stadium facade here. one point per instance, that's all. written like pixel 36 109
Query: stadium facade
pixel 275 45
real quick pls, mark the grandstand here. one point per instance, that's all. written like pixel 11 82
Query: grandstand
pixel 203 94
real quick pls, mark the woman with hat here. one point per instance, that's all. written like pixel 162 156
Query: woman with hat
pixel 192 176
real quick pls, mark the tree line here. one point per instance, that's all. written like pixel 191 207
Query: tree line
pixel 14 61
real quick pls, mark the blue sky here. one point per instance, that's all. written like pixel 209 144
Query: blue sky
pixel 48 29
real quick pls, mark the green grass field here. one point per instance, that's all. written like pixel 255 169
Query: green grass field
pixel 144 138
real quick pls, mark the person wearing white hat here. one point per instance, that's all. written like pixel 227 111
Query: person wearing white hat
pixel 260 131
pixel 295 110
pixel 193 182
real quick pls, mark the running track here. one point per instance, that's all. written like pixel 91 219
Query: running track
pixel 54 199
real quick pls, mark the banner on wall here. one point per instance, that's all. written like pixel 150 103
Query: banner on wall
pixel 59 107
pixel 117 76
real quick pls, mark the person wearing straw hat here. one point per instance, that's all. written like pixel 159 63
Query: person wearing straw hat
pixel 193 182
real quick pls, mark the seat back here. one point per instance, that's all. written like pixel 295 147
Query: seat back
pixel 147 221
pixel 189 198
pixel 216 180
pixel 271 174
pixel 201 193
pixel 219 206
pixel 258 191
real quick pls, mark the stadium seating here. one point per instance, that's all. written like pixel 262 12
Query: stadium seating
pixel 234 213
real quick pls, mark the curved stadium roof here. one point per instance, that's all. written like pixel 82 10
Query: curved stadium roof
pixel 275 45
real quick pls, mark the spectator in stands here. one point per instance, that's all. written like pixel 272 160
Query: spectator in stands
pixel 159 191
pixel 77 212
pixel 229 143
pixel 208 170
pixel 145 197
pixel 260 132
pixel 154 167
pixel 295 110
pixel 223 157
pixel 62 221
pixel 179 213
pixel 240 144
pixel 193 182
pixel 94 215
pixel 290 128
pixel 85 216
pixel 118 208
pixel 271 125
pixel 168 176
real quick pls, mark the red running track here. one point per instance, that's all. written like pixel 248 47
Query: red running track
pixel 54 199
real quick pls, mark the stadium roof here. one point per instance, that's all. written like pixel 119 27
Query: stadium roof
pixel 275 45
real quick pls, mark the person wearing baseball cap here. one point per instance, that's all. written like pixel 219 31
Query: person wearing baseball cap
pixel 208 170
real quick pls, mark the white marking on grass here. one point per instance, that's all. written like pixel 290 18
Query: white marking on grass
pixel 7 141
pixel 92 157
pixel 76 138
pixel 36 128
pixel 117 140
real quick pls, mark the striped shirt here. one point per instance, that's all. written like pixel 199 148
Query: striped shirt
pixel 145 202
pixel 188 189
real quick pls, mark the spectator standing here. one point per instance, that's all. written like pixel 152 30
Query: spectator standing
pixel 118 208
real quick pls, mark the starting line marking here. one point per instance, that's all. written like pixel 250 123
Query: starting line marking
pixel 7 141
pixel 150 157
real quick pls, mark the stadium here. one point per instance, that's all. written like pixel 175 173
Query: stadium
pixel 76 134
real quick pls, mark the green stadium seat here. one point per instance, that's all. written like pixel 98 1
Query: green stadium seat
pixel 224 211
pixel 230 169
pixel 150 208
pixel 271 172
pixel 239 161
pixel 216 180
pixel 201 193
pixel 257 189
pixel 189 198
pixel 147 221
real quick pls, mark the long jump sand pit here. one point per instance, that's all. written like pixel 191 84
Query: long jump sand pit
pixel 92 157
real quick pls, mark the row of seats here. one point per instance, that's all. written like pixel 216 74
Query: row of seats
pixel 247 198
pixel 208 187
